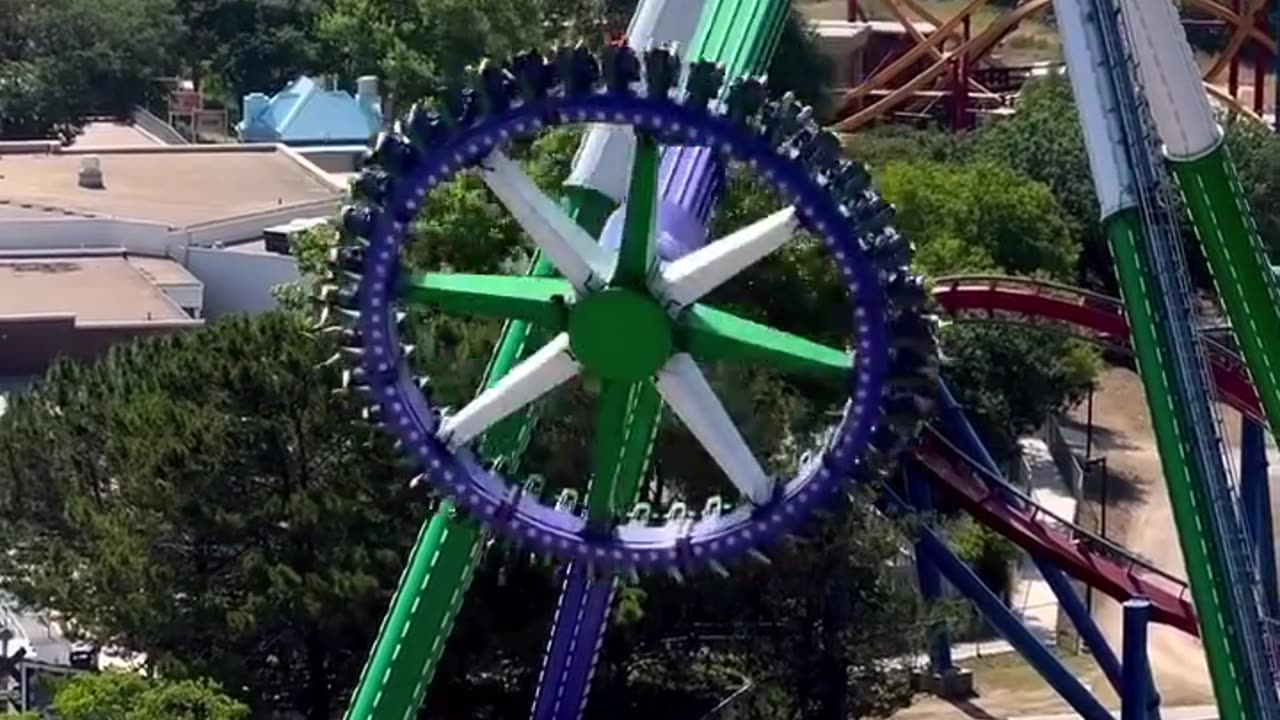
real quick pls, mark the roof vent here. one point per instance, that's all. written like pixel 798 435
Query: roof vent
pixel 91 173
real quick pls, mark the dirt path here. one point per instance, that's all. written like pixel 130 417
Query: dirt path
pixel 1139 518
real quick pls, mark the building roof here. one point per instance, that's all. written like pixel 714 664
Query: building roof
pixel 174 186
pixel 162 272
pixel 306 112
pixel 94 288
pixel 106 133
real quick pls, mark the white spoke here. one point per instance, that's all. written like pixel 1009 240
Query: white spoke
pixel 686 390
pixel 701 271
pixel 577 255
pixel 542 372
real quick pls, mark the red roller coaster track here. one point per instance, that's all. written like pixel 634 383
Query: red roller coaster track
pixel 1082 555
pixel 1088 315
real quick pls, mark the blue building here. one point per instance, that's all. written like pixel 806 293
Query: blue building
pixel 313 112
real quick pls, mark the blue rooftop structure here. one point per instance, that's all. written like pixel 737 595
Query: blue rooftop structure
pixel 308 112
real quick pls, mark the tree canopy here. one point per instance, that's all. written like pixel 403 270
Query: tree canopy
pixel 63 61
pixel 128 696
pixel 205 499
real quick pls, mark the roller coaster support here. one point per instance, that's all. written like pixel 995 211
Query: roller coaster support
pixel 1009 625
pixel 961 432
pixel 1255 500
pixel 1135 694
pixel 929 579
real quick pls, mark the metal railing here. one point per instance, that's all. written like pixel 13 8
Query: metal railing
pixel 1039 513
pixel 1063 456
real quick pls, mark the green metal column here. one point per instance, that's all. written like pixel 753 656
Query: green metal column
pixel 443 561
pixel 1245 282
pixel 1123 233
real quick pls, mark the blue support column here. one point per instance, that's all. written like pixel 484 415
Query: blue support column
pixel 1011 628
pixel 961 432
pixel 1089 631
pixel 1134 697
pixel 927 576
pixel 1255 495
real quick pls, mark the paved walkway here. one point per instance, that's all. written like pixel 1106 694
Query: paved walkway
pixel 1033 600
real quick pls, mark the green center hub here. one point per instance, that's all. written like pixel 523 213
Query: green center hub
pixel 620 334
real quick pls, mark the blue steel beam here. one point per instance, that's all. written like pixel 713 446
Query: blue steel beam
pixel 927 575
pixel 1002 619
pixel 1134 696
pixel 1255 497
pixel 960 432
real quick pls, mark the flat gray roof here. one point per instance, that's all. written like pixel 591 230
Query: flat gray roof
pixel 95 289
pixel 107 133
pixel 163 271
pixel 175 187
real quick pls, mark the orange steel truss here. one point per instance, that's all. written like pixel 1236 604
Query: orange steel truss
pixel 947 56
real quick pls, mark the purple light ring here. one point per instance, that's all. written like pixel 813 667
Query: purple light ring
pixel 480 492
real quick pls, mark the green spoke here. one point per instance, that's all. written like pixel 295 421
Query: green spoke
pixel 539 300
pixel 639 228
pixel 711 334
pixel 613 414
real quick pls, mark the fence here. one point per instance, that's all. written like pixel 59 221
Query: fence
pixel 1063 456
pixel 163 131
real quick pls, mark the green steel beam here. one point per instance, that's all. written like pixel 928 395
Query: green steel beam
pixel 1245 281
pixel 1200 557
pixel 613 420
pixel 404 658
pixel 639 227
pixel 711 334
pixel 413 635
pixel 741 35
pixel 539 300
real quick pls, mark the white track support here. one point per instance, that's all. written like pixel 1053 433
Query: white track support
pixel 542 372
pixel 686 280
pixel 686 390
pixel 571 249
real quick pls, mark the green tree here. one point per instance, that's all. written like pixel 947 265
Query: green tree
pixel 985 218
pixel 233 47
pixel 206 499
pixel 414 46
pixel 127 696
pixel 980 217
pixel 1043 141
pixel 880 145
pixel 63 61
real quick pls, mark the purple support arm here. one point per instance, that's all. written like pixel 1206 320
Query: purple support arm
pixel 690 180
pixel 564 631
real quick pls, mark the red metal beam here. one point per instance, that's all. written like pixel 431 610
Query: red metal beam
pixel 1103 318
pixel 1115 575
